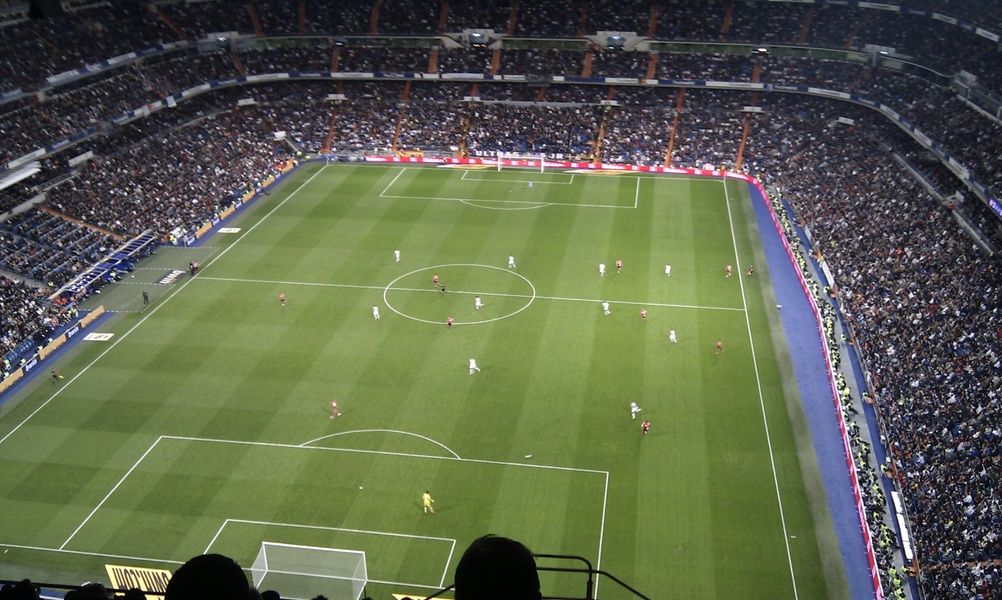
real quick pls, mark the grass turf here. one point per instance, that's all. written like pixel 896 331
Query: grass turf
pixel 204 424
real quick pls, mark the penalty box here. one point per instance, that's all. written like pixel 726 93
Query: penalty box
pixel 186 494
pixel 417 183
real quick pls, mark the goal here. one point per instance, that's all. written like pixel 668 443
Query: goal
pixel 307 571
pixel 514 159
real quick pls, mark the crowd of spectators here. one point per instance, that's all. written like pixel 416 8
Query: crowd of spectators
pixel 567 132
pixel 923 303
pixel 123 26
pixel 23 313
pixel 48 248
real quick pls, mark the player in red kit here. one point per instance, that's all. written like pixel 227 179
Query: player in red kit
pixel 645 427
pixel 448 322
pixel 619 265
pixel 719 348
pixel 281 298
pixel 643 313
pixel 434 280
pixel 728 270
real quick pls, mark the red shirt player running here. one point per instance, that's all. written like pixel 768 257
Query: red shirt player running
pixel 448 322
pixel 281 298
pixel 719 348
pixel 434 280
pixel 645 427
pixel 619 265
pixel 643 313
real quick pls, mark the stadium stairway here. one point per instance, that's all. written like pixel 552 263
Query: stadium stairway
pixel 374 18
pixel 329 138
pixel 652 25
pixel 674 126
pixel 513 18
pixel 433 60
pixel 443 17
pixel 252 13
pixel 301 16
pixel 652 65
pixel 335 59
pixel 589 56
pixel 169 22
pixel 805 25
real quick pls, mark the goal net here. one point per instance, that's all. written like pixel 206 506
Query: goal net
pixel 308 571
pixel 516 160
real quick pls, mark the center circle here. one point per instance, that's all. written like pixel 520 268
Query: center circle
pixel 463 282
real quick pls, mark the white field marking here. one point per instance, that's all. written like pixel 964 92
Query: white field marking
pixel 427 439
pixel 531 298
pixel 601 532
pixel 100 554
pixel 529 207
pixel 390 184
pixel 185 438
pixel 761 399
pixel 448 561
pixel 492 294
pixel 468 200
pixel 155 308
pixel 636 194
pixel 112 491
pixel 532 181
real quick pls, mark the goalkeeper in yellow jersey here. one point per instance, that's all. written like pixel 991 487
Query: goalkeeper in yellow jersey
pixel 427 501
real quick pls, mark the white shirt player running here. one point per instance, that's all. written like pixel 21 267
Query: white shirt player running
pixel 375 312
pixel 605 309
pixel 634 409
pixel 473 366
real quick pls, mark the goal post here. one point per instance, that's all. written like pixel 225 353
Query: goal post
pixel 308 571
pixel 517 160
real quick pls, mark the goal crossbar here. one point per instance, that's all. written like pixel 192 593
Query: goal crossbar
pixel 305 571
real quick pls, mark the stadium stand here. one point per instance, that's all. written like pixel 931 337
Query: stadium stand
pixel 909 278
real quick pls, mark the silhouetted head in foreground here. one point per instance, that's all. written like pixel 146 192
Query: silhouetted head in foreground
pixel 209 577
pixel 497 568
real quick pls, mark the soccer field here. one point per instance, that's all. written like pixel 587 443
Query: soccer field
pixel 204 423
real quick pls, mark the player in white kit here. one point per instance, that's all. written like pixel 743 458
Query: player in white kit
pixel 605 309
pixel 375 312
pixel 473 366
pixel 634 409
pixel 671 336
pixel 601 269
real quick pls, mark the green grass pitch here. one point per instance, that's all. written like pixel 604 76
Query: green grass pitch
pixel 204 423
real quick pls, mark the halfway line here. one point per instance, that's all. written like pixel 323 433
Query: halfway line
pixel 435 291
